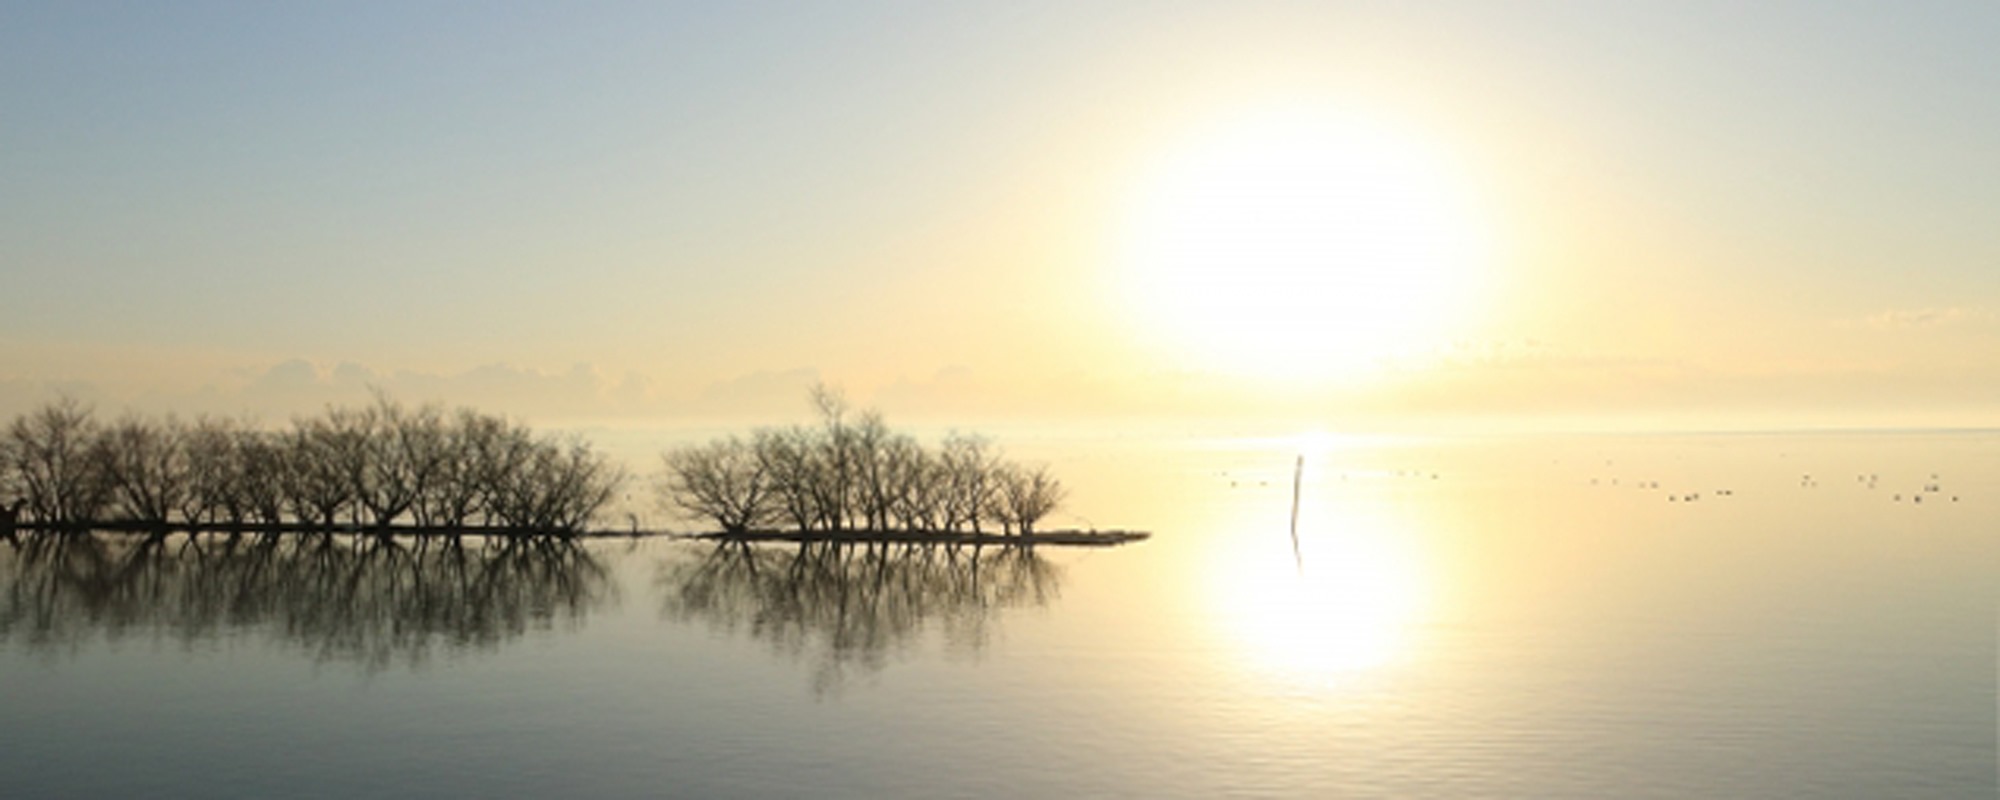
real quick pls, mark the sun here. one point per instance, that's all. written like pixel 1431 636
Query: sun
pixel 1300 244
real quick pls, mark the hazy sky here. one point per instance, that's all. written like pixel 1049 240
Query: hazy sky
pixel 1775 212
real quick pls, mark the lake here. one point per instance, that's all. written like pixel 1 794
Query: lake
pixel 1723 615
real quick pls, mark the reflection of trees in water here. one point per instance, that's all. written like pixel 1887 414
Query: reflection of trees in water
pixel 852 606
pixel 373 600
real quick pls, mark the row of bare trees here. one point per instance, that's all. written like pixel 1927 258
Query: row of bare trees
pixel 379 465
pixel 852 473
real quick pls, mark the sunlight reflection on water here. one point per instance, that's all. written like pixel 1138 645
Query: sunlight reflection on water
pixel 1482 618
pixel 1346 603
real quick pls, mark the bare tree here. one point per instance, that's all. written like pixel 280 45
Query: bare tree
pixel 402 451
pixel 587 481
pixel 968 481
pixel 319 479
pixel 509 456
pixel 258 477
pixel 455 493
pixel 214 472
pixel 556 487
pixel 834 461
pixel 785 455
pixel 49 453
pixel 144 467
pixel 874 487
pixel 1025 496
pixel 913 478
pixel 584 483
pixel 724 481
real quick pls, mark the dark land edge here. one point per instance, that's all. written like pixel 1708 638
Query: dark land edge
pixel 1078 538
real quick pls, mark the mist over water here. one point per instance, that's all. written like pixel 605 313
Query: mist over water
pixel 1655 616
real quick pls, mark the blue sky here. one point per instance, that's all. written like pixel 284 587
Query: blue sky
pixel 197 192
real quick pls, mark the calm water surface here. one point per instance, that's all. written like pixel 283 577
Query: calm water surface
pixel 1719 616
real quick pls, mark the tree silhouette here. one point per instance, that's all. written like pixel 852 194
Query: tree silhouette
pixel 852 474
pixel 379 466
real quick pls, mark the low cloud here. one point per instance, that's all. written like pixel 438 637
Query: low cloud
pixel 1499 378
pixel 759 393
pixel 951 388
pixel 1901 318
pixel 299 386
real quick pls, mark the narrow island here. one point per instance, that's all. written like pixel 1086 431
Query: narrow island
pixel 853 479
pixel 385 469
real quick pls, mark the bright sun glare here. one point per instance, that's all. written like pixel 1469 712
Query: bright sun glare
pixel 1301 245
pixel 1346 607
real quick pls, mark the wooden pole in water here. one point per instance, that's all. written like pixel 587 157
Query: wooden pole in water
pixel 1298 470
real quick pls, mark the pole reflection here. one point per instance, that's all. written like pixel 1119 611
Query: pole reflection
pixel 848 609
pixel 374 601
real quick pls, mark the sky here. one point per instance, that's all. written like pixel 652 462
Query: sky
pixel 1584 214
